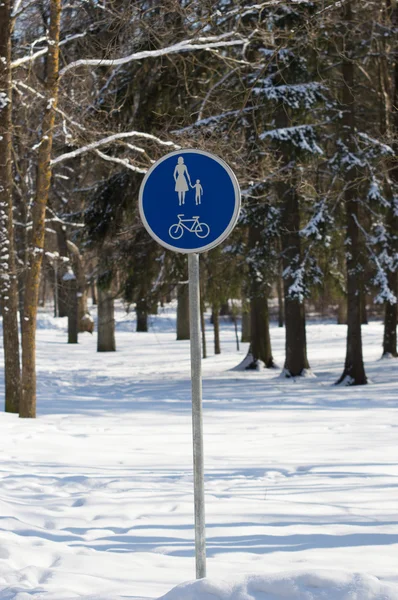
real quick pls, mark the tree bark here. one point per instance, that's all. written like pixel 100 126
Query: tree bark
pixel 342 311
pixel 43 286
pixel 391 309
pixel 279 288
pixel 296 361
pixel 93 292
pixel 142 315
pixel 43 181
pixel 62 268
pixel 216 327
pixel 183 312
pixel 84 321
pixel 354 370
pixel 260 339
pixel 55 287
pixel 245 337
pixel 390 324
pixel 364 310
pixel 225 309
pixel 203 325
pixel 106 322
pixel 73 309
pixel 8 278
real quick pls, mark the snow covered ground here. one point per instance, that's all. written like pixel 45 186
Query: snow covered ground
pixel 96 497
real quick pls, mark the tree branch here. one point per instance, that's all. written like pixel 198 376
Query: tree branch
pixel 108 140
pixel 202 43
pixel 121 161
pixel 31 57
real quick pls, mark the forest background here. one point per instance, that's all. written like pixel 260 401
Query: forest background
pixel 298 97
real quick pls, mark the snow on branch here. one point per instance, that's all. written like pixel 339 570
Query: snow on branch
pixel 386 294
pixel 108 140
pixel 201 43
pixel 18 84
pixel 316 224
pixel 120 161
pixel 243 11
pixel 381 281
pixel 301 136
pixel 15 8
pixel 214 120
pixel 56 219
pixel 384 149
pixel 295 96
pixel 321 218
pixel 31 57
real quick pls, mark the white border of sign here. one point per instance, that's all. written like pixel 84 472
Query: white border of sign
pixel 232 222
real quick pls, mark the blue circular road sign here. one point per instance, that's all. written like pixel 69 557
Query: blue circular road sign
pixel 189 201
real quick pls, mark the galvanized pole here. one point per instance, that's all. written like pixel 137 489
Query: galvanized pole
pixel 197 419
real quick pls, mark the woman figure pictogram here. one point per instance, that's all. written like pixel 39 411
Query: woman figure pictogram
pixel 181 176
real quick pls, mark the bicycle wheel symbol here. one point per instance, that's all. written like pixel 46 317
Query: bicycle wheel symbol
pixel 202 230
pixel 176 231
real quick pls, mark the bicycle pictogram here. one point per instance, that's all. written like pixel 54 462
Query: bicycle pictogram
pixel 176 231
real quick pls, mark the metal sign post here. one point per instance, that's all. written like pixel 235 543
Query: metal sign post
pixel 197 418
pixel 189 202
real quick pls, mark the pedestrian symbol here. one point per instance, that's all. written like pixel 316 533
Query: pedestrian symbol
pixel 189 201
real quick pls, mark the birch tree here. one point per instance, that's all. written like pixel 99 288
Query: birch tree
pixel 8 279
pixel 43 181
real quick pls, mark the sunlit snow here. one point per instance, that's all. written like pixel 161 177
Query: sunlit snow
pixel 96 497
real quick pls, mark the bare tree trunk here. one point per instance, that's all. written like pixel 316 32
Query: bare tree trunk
pixel 391 309
pixel 390 324
pixel 279 288
pixel 62 268
pixel 43 285
pixel 225 309
pixel 342 311
pixel 281 310
pixel 93 292
pixel 216 327
pixel 73 309
pixel 142 315
pixel 183 312
pixel 8 279
pixel 55 287
pixel 234 314
pixel 203 326
pixel 354 370
pixel 106 322
pixel 296 361
pixel 84 321
pixel 364 309
pixel 28 403
pixel 245 337
pixel 260 340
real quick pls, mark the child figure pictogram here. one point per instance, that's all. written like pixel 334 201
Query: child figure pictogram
pixel 198 192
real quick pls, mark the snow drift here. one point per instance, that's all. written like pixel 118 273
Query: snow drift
pixel 321 585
